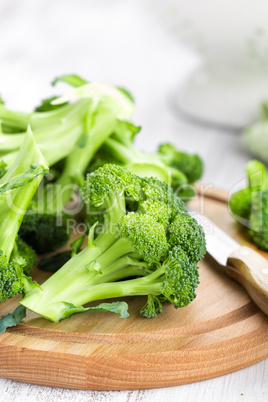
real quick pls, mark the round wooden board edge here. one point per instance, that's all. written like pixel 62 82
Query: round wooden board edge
pixel 86 377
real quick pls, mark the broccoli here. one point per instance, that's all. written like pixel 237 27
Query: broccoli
pixel 17 188
pixel 140 163
pixel 108 105
pixel 249 206
pixel 170 165
pixel 156 244
pixel 179 169
pixel 190 165
pixel 44 227
pixel 46 105
pixel 55 262
pixel 21 249
pixel 56 132
pixel 84 125
pixel 255 136
pixel 176 168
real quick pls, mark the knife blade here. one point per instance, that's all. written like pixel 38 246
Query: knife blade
pixel 219 244
pixel 242 263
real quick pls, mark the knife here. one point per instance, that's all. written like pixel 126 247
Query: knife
pixel 241 263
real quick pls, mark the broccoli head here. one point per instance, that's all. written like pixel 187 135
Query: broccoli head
pixel 191 165
pixel 21 249
pixel 44 230
pixel 151 250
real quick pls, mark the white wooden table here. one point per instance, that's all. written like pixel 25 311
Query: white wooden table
pixel 121 42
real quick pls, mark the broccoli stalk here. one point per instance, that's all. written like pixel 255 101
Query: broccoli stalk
pixel 107 106
pixel 17 188
pixel 142 164
pixel 178 169
pixel 74 130
pixel 56 132
pixel 249 206
pixel 157 243
pixel 175 167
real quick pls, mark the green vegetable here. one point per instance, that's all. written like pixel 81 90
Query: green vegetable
pixel 249 206
pixel 190 165
pixel 3 170
pixel 14 201
pixel 75 131
pixel 21 249
pixel 52 264
pixel 56 131
pixel 15 256
pixel 156 243
pixel 255 137
pixel 157 165
pixel 12 319
pixel 55 262
pixel 46 105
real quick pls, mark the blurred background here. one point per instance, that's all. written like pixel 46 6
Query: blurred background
pixel 166 53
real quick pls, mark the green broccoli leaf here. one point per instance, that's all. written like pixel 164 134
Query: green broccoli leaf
pixel 12 319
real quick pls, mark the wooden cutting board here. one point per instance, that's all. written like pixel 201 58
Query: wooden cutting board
pixel 220 332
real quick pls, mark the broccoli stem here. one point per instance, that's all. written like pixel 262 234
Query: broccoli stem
pixel 17 120
pixel 120 152
pixel 133 287
pixel 107 261
pixel 20 120
pixel 15 203
pixel 55 140
pixel 100 126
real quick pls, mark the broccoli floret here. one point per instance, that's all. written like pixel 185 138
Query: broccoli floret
pixel 17 188
pixel 52 264
pixel 21 249
pixel 185 232
pixel 45 231
pixel 191 165
pixel 249 206
pixel 136 244
pixel 152 308
pixel 72 131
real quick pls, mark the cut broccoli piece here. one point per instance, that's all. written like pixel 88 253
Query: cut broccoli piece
pixel 90 121
pixel 17 188
pixel 133 245
pixel 249 206
pixel 14 201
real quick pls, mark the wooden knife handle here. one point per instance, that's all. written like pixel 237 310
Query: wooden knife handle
pixel 250 269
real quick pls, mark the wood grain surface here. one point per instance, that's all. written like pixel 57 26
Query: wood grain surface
pixel 220 332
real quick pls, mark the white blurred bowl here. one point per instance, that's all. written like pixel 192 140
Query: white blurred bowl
pixel 232 39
